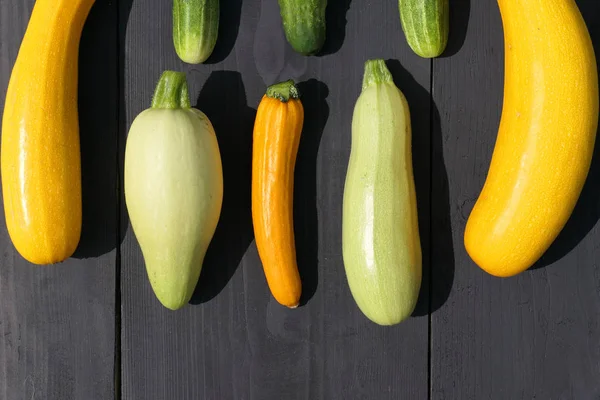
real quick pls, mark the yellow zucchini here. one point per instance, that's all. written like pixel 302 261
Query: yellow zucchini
pixel 545 140
pixel 41 166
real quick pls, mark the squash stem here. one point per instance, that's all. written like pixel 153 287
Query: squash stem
pixel 171 91
pixel 283 91
pixel 376 73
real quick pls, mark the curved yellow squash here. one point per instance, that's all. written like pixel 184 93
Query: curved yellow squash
pixel 546 137
pixel 40 156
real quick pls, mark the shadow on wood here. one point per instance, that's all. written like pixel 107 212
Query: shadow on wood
pixel 460 10
pixel 442 272
pixel 98 89
pixel 434 213
pixel 124 11
pixel 316 111
pixel 587 211
pixel 335 17
pixel 223 100
pixel 274 58
pixel 229 24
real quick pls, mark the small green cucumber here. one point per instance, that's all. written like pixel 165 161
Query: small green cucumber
pixel 425 24
pixel 304 24
pixel 195 29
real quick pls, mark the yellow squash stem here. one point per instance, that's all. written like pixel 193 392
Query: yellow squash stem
pixel 41 167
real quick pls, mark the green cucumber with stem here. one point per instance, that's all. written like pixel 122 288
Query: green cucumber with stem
pixel 195 29
pixel 425 24
pixel 304 24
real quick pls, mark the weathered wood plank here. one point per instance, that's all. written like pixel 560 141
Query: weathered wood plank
pixel 531 336
pixel 57 322
pixel 236 341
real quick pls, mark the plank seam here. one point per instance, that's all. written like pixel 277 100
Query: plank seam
pixel 430 256
pixel 117 350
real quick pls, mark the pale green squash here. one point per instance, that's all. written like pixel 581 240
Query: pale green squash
pixel 380 235
pixel 173 189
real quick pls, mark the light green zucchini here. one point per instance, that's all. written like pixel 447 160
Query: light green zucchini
pixel 425 24
pixel 380 232
pixel 173 189
pixel 195 29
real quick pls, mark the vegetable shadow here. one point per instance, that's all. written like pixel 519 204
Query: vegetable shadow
pixel 98 89
pixel 433 197
pixel 274 57
pixel 223 100
pixel 123 11
pixel 335 19
pixel 587 210
pixel 460 10
pixel 230 12
pixel 316 112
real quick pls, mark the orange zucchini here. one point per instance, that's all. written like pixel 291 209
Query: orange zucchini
pixel 277 131
pixel 41 166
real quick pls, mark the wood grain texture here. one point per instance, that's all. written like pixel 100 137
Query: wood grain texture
pixel 234 341
pixel 530 336
pixel 57 322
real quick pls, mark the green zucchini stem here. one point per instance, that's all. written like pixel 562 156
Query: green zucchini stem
pixel 171 91
pixel 283 91
pixel 376 73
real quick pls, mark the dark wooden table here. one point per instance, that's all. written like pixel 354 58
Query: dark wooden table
pixel 91 328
